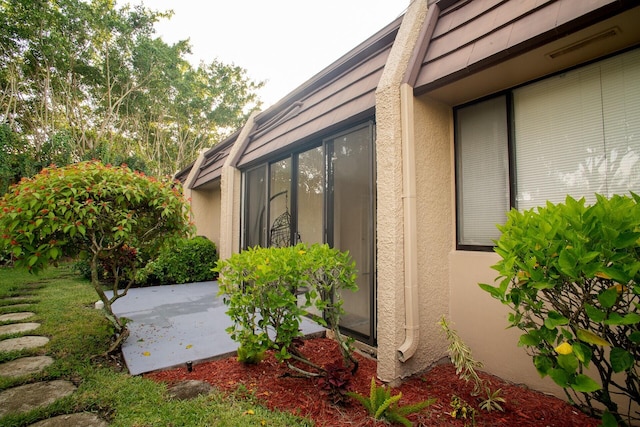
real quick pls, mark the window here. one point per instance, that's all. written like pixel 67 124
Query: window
pixel 576 133
pixel 482 164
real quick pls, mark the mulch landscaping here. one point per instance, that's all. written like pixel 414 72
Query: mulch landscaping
pixel 277 388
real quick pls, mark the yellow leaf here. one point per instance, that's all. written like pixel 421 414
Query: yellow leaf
pixel 591 338
pixel 602 275
pixel 249 412
pixel 189 346
pixel 263 423
pixel 564 348
pixel 146 353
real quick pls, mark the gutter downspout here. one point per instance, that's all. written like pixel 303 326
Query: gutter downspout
pixel 410 212
pixel 411 296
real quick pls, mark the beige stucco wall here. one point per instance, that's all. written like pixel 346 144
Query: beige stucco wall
pixel 432 121
pixel 481 322
pixel 230 212
pixel 205 212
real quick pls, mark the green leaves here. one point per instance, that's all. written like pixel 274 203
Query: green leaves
pixel 272 288
pixel 621 359
pixel 94 74
pixel 381 404
pixel 81 209
pixel 569 274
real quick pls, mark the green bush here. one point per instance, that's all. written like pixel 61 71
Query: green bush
pixel 187 261
pixel 570 275
pixel 271 289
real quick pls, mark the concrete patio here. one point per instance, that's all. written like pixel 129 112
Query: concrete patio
pixel 170 325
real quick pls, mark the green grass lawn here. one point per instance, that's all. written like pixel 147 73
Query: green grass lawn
pixel 63 303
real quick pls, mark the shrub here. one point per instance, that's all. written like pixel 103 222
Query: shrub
pixel 270 289
pixel 96 210
pixel 186 261
pixel 570 273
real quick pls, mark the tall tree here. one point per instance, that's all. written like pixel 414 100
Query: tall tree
pixel 98 75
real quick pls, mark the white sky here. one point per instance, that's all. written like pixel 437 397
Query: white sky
pixel 282 42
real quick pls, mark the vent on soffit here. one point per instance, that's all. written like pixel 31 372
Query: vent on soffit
pixel 611 32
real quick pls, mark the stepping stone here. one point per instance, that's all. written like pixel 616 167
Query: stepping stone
pixel 18 327
pixel 23 343
pixel 189 389
pixel 83 419
pixel 25 398
pixel 16 306
pixel 16 316
pixel 16 299
pixel 24 366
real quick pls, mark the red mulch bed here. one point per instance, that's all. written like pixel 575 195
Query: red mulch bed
pixel 273 384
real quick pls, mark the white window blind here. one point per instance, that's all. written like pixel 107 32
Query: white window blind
pixel 482 171
pixel 621 105
pixel 578 133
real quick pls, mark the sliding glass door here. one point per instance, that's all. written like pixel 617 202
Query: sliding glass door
pixel 324 194
pixel 350 204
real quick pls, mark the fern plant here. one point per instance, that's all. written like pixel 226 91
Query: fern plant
pixel 382 405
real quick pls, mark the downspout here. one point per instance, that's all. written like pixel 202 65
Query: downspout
pixel 411 296
pixel 410 213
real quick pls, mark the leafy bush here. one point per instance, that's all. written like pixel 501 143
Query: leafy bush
pixel 382 405
pixel 271 289
pixel 92 209
pixel 570 274
pixel 186 261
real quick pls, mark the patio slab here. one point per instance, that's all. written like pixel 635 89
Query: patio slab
pixel 170 325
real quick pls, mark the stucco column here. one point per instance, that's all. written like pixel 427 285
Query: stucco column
pixel 390 222
pixel 188 183
pixel 231 194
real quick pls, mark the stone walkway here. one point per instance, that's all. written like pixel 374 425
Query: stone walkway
pixel 32 395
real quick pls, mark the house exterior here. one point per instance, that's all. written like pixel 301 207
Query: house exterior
pixel 408 150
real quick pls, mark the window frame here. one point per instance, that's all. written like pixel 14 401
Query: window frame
pixel 512 181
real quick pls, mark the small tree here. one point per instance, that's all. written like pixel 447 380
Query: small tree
pixel 103 212
pixel 571 275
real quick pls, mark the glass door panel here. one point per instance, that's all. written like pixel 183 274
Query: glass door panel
pixel 255 215
pixel 351 221
pixel 279 203
pixel 310 196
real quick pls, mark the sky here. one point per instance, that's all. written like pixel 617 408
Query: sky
pixel 281 42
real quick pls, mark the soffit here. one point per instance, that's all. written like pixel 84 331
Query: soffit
pixel 471 36
pixel 343 92
pixel 539 62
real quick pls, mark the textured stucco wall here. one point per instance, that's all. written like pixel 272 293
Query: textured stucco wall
pixel 230 211
pixel 231 194
pixel 390 260
pixel 205 212
pixel 433 134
